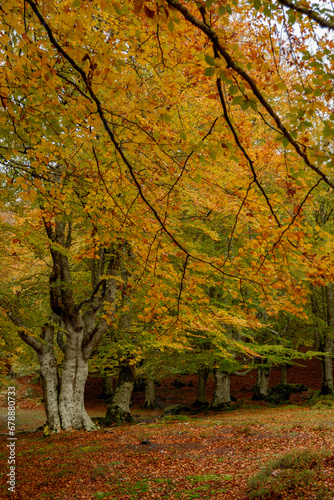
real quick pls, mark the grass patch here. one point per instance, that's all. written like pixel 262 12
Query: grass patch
pixel 290 475
pixel 205 478
pixel 100 494
pixel 88 449
pixel 176 418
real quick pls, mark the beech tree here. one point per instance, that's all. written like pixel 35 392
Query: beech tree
pixel 77 326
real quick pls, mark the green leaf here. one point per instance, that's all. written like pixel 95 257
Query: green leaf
pixel 212 154
pixel 245 105
pixel 318 81
pixel 209 71
pixel 328 132
pixel 253 105
pixel 267 10
pixel 298 87
pixel 76 3
pixel 167 118
pixel 233 89
pixel 257 4
pixel 238 99
pixel 210 60
pixel 171 26
pixel 292 17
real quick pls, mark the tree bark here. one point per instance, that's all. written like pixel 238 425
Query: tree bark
pixel 201 399
pixel 327 360
pixel 221 395
pixel 50 386
pixel 284 373
pixel 149 394
pixel 107 386
pixel 73 381
pixel 119 409
pixel 262 383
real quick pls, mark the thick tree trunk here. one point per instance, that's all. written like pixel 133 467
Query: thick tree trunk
pixel 221 395
pixel 201 399
pixel 64 402
pixel 262 383
pixel 119 409
pixel 149 394
pixel 107 386
pixel 73 380
pixel 327 360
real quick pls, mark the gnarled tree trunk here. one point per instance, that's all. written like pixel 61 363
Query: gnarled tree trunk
pixel 64 399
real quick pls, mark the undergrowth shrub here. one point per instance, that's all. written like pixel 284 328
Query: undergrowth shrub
pixel 318 400
pixel 293 475
pixel 282 392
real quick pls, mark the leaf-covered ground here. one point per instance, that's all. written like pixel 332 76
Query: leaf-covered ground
pixel 183 458
pixel 205 456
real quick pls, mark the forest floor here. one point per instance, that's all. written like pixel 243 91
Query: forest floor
pixel 208 455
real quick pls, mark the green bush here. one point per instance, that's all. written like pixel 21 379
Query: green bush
pixel 300 470
pixel 318 399
pixel 282 392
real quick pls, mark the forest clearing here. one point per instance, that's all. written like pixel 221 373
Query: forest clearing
pixel 203 454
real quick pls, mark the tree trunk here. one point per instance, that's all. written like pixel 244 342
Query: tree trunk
pixel 327 360
pixel 284 373
pixel 107 386
pixel 64 402
pixel 149 394
pixel 119 409
pixel 262 383
pixel 221 395
pixel 201 399
pixel 50 387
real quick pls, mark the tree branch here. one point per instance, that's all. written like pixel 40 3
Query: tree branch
pixel 244 75
pixel 309 13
